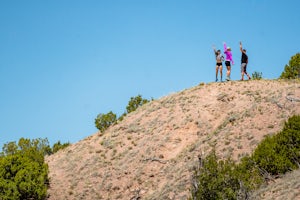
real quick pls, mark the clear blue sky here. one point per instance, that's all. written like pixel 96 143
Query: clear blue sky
pixel 63 62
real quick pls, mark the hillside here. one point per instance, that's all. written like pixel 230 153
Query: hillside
pixel 287 187
pixel 151 154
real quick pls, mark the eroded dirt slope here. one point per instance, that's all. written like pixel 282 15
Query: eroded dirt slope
pixel 151 154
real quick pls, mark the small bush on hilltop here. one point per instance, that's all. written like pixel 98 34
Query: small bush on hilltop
pixel 277 154
pixel 257 75
pixel 103 121
pixel 135 102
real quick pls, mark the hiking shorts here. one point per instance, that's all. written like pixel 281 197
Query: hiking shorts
pixel 227 63
pixel 244 67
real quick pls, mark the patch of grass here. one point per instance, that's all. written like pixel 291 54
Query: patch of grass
pixel 270 126
pixel 133 143
pixel 240 146
pixel 107 143
pixel 250 137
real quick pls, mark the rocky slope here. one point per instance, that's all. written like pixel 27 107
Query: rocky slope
pixel 152 153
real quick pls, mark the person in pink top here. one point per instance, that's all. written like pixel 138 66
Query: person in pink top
pixel 228 60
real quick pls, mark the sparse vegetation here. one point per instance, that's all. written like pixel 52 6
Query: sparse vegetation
pixel 257 75
pixel 155 149
pixel 103 121
pixel 58 146
pixel 223 179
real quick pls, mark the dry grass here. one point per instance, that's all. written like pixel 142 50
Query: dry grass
pixel 152 152
pixel 287 187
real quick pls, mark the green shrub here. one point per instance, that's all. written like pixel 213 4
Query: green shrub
pixel 23 173
pixel 135 102
pixel 279 153
pixel 292 70
pixel 103 121
pixel 58 146
pixel 224 179
pixel 8 190
pixel 257 75
pixel 217 179
pixel 249 174
pixel 276 154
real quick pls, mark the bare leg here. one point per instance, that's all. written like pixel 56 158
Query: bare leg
pixel 228 71
pixel 221 72
pixel 248 75
pixel 245 71
pixel 217 70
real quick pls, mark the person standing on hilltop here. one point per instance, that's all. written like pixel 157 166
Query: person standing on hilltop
pixel 244 62
pixel 219 65
pixel 228 61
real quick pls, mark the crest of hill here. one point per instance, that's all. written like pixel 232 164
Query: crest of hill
pixel 152 153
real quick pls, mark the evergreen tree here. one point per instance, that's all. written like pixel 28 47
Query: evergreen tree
pixel 292 70
pixel 103 121
pixel 23 173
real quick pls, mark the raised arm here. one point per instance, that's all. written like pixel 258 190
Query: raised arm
pixel 225 47
pixel 214 48
pixel 241 47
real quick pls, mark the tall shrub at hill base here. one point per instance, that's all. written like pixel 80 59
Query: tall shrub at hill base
pixel 26 178
pixel 223 179
pixel 23 173
pixel 226 180
pixel 280 153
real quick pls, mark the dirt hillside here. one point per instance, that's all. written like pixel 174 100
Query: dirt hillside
pixel 151 154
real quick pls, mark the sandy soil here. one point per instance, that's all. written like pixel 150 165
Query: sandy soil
pixel 152 153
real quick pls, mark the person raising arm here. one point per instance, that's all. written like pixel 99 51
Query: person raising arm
pixel 219 60
pixel 244 62
pixel 228 61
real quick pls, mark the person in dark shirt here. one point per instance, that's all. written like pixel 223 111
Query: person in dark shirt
pixel 244 62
